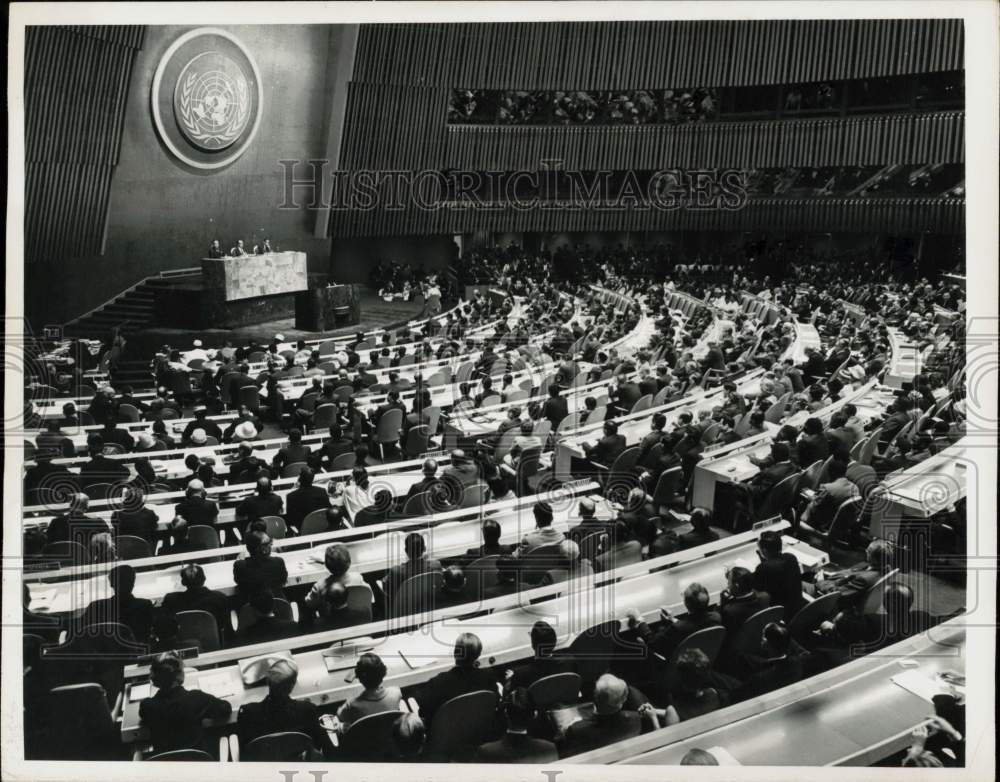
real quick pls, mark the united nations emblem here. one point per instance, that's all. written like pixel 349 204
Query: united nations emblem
pixel 207 98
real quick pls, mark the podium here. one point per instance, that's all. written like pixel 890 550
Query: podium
pixel 251 288
pixel 328 307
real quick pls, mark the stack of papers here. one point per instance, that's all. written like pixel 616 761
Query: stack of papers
pixel 217 683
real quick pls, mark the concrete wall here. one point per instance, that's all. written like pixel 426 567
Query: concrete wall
pixel 163 215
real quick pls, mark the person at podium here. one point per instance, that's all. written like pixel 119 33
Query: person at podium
pixel 238 251
pixel 215 251
pixel 263 247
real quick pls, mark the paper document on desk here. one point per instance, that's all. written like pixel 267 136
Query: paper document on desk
pixel 919 683
pixel 219 684
pixel 139 692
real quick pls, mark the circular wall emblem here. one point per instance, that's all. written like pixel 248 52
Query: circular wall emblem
pixel 207 98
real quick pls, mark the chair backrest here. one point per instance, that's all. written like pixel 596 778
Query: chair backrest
pixel 417 595
pixel 776 412
pixel 276 526
pixel 417 438
pixel 747 640
pixel 710 433
pixel 417 505
pixel 812 615
pixel 128 413
pixel 373 514
pixel 329 348
pixel 778 498
pixel 433 418
pixel 464 372
pixel 250 396
pixel 667 486
pixel 474 496
pixel 625 463
pixel 505 443
pixel 292 470
pixel 200 625
pixel 742 426
pixel 870 448
pixel 486 567
pixel 593 650
pixel 324 416
pixel 660 396
pixel 873 598
pixel 343 393
pixel 203 536
pixel 590 546
pixel 543 428
pixel 642 403
pixel 314 523
pixel 344 461
pixel 369 738
pixel 863 476
pixel 569 423
pixel 461 724
pixel 278 747
pixel 388 427
pixel 84 721
pixel 98 491
pixel 196 755
pixel 619 556
pixel 562 689
pixel 132 547
pixel 846 517
pixel 246 615
pixel 709 640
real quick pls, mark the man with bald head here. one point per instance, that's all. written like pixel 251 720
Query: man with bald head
pixel 589 523
pixel 429 482
pixel 196 508
pixel 263 502
pixel 462 470
pixel 610 722
pixel 278 712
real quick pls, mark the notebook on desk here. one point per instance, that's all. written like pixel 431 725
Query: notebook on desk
pixel 568 715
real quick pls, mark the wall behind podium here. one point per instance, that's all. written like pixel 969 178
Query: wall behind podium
pixel 162 215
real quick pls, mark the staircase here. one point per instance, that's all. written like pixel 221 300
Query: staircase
pixel 131 311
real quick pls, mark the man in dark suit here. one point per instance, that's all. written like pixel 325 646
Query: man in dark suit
pixel 739 601
pixel 174 715
pixel 840 438
pixel 608 448
pixel 610 723
pixel 779 663
pixel 214 250
pixel 101 469
pixel 246 464
pixel 203 422
pixel 293 453
pixel 428 483
pixel 365 376
pixel 419 416
pixel 853 584
pixel 657 422
pixel 195 508
pixel 822 508
pixel 391 403
pixel 769 477
pixel 337 445
pixel 280 713
pixel 589 524
pixel 491 545
pixel 75 524
pixel 814 366
pixel 305 499
pixel 714 358
pixel 111 434
pixel 260 570
pixel 263 502
pixel 417 562
pixel 812 445
pixel 673 630
pixel 543 534
pixel 543 663
pixel 265 624
pixel 136 519
pixel 778 574
pixel 900 416
pixel 701 531
pixel 516 746
pixel 898 622
pixel 463 471
pixel 135 613
pixel 198 597
pixel 555 408
pixel 464 678
pixel 625 395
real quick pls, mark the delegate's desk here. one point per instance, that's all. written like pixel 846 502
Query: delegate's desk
pixel 852 715
pixel 926 488
pixel 503 625
pixel 806 336
pixel 731 463
pixel 305 563
pixel 634 426
pixel 905 362
pixel 78 434
pixel 349 534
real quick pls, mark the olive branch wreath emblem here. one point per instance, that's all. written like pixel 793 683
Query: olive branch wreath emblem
pixel 235 126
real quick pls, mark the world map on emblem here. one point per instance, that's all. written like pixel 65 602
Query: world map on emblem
pixel 212 101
